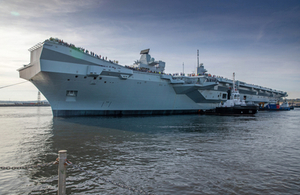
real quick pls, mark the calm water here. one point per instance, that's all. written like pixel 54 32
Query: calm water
pixel 186 154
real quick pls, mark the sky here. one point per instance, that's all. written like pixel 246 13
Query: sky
pixel 259 40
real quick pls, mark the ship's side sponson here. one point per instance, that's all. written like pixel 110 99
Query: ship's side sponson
pixel 30 70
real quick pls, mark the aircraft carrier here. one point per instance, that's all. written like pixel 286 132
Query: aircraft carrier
pixel 78 82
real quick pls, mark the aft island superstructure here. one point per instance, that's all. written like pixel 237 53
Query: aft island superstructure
pixel 78 82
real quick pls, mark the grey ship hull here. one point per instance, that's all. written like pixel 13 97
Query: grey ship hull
pixel 76 83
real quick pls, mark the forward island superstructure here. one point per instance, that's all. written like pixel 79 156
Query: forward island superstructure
pixel 78 82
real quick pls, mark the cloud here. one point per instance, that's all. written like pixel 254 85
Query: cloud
pixel 257 40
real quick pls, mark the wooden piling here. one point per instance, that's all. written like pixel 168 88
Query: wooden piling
pixel 62 172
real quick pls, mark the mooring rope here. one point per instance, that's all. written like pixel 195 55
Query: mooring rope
pixel 13 84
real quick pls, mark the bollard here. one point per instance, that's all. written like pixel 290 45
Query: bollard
pixel 62 172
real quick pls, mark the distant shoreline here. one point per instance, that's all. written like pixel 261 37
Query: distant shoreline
pixel 22 105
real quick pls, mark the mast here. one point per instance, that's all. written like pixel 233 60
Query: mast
pixel 233 82
pixel 197 58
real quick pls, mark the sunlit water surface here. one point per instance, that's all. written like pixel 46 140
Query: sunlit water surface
pixel 180 154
